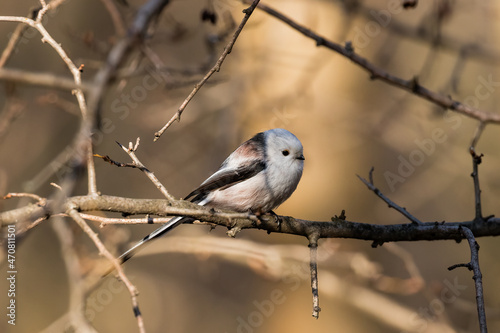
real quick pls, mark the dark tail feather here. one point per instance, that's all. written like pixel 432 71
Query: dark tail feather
pixel 155 234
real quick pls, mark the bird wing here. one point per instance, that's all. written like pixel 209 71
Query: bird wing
pixel 226 177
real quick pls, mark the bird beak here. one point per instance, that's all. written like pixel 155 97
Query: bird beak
pixel 301 157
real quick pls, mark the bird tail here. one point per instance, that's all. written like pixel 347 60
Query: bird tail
pixel 174 222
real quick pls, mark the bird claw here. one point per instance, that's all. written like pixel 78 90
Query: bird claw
pixel 277 219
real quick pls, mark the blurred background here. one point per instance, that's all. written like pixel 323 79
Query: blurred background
pixel 199 280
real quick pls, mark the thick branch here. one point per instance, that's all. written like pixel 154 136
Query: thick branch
pixel 337 228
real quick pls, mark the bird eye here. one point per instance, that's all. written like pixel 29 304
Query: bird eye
pixel 285 152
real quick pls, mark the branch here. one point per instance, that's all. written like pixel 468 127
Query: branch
pixel 131 152
pixel 336 228
pixel 473 265
pixel 411 85
pixel 84 142
pixel 40 79
pixel 215 68
pixel 102 250
pixel 77 290
pixel 313 265
pixel 21 28
pixel 476 160
pixel 391 203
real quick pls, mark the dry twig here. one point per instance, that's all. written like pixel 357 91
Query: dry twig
pixel 215 68
pixel 73 213
pixel 473 265
pixel 411 85
pixel 131 152
pixel 391 203
pixel 313 247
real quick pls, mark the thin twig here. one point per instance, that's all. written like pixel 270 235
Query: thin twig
pixel 477 134
pixel 18 33
pixel 131 152
pixel 137 30
pixel 313 248
pixel 177 116
pixel 11 45
pixel 473 265
pixel 73 213
pixel 391 204
pixel 410 85
pixel 25 195
pixel 108 159
pixel 40 79
pixel 170 211
pixel 476 160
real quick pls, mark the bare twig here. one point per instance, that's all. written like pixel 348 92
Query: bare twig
pixel 410 85
pixel 77 290
pixel 12 109
pixel 18 33
pixel 473 265
pixel 172 211
pixel 115 58
pixel 40 79
pixel 477 134
pixel 56 166
pixel 476 160
pixel 73 213
pixel 131 152
pixel 391 204
pixel 108 159
pixel 11 45
pixel 25 195
pixel 47 38
pixel 313 247
pixel 177 116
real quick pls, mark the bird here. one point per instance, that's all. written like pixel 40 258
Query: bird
pixel 257 177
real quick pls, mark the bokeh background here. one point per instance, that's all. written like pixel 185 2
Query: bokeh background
pixel 199 280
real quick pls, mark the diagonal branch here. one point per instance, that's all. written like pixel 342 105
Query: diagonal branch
pixel 138 164
pixel 411 85
pixel 73 213
pixel 215 68
pixel 85 144
pixel 391 203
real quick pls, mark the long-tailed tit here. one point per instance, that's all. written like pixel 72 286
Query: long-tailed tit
pixel 258 176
